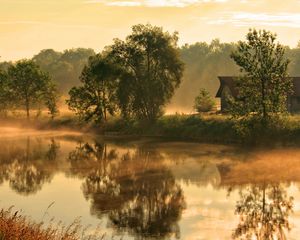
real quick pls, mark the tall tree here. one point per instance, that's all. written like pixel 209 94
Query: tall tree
pixel 97 96
pixel 264 85
pixel 153 70
pixel 31 87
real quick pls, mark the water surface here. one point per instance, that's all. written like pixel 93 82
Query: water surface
pixel 150 189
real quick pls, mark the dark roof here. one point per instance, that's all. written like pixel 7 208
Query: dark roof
pixel 230 83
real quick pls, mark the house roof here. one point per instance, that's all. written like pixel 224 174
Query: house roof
pixel 228 81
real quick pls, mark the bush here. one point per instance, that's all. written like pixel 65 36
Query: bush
pixel 204 102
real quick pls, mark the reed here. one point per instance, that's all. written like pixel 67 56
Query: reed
pixel 15 226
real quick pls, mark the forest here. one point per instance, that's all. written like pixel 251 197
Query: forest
pixel 203 61
pixel 148 85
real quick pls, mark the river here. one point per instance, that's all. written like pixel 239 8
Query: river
pixel 150 188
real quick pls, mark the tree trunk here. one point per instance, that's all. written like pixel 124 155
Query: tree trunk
pixel 27 109
pixel 263 93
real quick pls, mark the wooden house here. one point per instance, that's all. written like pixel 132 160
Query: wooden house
pixel 228 87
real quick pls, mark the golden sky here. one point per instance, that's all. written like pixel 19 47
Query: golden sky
pixel 27 26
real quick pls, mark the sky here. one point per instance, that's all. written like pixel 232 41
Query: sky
pixel 27 26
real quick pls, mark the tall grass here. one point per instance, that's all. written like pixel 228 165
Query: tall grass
pixel 14 226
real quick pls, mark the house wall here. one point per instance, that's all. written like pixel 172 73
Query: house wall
pixel 294 104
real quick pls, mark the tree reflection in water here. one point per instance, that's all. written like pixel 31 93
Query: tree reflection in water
pixel 155 206
pixel 25 168
pixel 264 212
pixel 93 163
pixel 134 189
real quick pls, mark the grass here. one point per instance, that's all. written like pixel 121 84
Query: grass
pixel 212 128
pixel 14 226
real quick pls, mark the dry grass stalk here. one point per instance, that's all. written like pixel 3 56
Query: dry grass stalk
pixel 14 226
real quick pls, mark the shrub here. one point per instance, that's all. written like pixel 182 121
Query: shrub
pixel 204 102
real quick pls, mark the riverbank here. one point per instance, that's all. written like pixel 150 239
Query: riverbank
pixel 211 128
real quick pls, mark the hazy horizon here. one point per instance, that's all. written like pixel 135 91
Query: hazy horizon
pixel 28 26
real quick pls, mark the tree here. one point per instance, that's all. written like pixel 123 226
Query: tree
pixel 5 94
pixel 153 70
pixel 204 102
pixel 32 87
pixel 50 99
pixel 64 67
pixel 264 85
pixel 5 65
pixel 97 96
pixel 47 57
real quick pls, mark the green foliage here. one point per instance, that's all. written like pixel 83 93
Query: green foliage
pixel 264 85
pixel 193 127
pixel 203 102
pixel 64 67
pixel 30 87
pixel 5 65
pixel 204 62
pixel 51 98
pixel 152 71
pixel 6 100
pixel 180 127
pixel 97 96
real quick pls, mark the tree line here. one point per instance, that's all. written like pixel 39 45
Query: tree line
pixel 38 83
pixel 138 76
pixel 203 62
pixel 135 78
